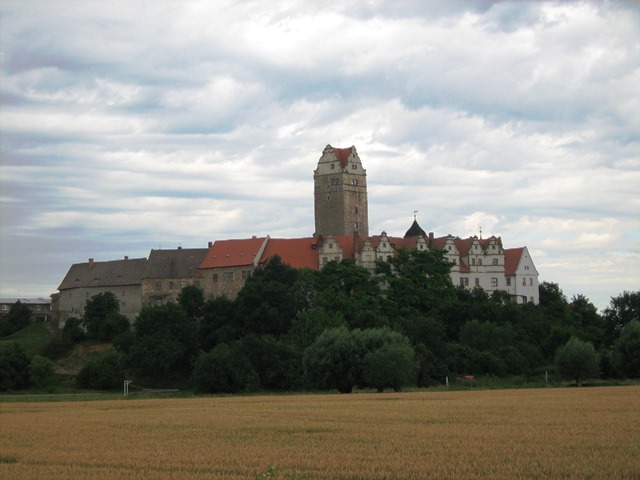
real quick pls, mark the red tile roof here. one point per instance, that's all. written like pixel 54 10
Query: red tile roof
pixel 342 154
pixel 297 252
pixel 512 258
pixel 233 253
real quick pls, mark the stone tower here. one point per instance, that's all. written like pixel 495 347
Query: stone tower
pixel 340 193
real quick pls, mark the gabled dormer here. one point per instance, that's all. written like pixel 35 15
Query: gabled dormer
pixel 330 250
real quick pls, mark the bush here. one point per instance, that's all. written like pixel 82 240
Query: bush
pixel 42 371
pixel 224 370
pixel 15 368
pixel 626 350
pixel 102 373
pixel 577 360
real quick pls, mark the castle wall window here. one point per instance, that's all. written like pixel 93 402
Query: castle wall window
pixel 354 166
pixel 479 261
pixel 170 285
pixel 333 166
pixel 464 282
pixel 473 261
pixel 246 274
pixel 530 281
pixel 354 181
pixel 229 276
pixel 196 283
pixel 494 282
pixel 524 282
pixel 183 284
pixel 325 260
pixel 508 281
pixel 495 261
pixel 215 278
pixel 355 225
pixel 477 282
pixel 337 259
pixel 158 286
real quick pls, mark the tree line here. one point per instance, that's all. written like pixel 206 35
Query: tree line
pixel 343 327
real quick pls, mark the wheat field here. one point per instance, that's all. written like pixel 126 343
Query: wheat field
pixel 499 434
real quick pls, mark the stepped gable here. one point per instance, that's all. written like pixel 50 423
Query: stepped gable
pixel 296 252
pixel 512 258
pixel 234 253
pixel 104 274
pixel 415 231
pixel 178 263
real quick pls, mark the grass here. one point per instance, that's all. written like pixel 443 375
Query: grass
pixel 32 338
pixel 500 434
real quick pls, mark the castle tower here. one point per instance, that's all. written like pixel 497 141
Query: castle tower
pixel 340 193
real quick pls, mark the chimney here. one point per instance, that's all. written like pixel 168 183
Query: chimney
pixel 126 257
pixel 210 244
pixel 90 263
pixel 430 239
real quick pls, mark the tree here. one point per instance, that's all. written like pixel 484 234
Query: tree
pixel 393 365
pixel 165 341
pixel 224 370
pixel 626 350
pixel 267 302
pixel 374 357
pixel 15 368
pixel 623 309
pixel 103 373
pixel 577 360
pixel 102 319
pixel 191 299
pixel 18 318
pixel 42 371
pixel 330 362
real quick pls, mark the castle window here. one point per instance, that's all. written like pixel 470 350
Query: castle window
pixel 229 276
pixel 355 210
pixel 354 166
pixel 508 281
pixel 355 225
pixel 170 285
pixel 183 284
pixel 337 259
pixel 494 282
pixel 524 282
pixel 473 261
pixel 158 286
pixel 477 280
pixel 331 245
pixel 453 260
pixel 464 282
pixel 354 181
pixel 479 261
pixel 333 165
pixel 530 281
pixel 495 261
pixel 246 274
pixel 493 247
pixel 325 260
pixel 215 278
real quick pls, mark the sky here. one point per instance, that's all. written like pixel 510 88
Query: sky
pixel 130 126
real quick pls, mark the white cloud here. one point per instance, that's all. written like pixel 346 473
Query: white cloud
pixel 125 125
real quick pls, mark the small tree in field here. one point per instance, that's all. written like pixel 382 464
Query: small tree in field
pixel 577 360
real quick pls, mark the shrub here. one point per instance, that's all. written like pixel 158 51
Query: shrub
pixel 577 360
pixel 42 371
pixel 102 373
pixel 15 368
pixel 224 370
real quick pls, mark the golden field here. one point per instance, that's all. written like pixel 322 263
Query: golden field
pixel 499 434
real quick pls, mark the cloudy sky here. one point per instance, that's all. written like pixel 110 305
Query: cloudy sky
pixel 127 126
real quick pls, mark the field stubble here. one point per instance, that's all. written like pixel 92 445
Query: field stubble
pixel 499 434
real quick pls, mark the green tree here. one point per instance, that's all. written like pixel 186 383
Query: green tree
pixel 42 371
pixel 267 302
pixel 165 341
pixel 224 370
pixel 191 299
pixel 331 361
pixel 278 364
pixel 103 373
pixel 577 360
pixel 626 350
pixel 218 323
pixel 18 318
pixel 15 368
pixel 102 319
pixel 623 309
pixel 392 365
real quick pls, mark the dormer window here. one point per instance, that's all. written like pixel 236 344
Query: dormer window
pixel 354 166
pixel 333 166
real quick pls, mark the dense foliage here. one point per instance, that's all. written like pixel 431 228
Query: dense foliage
pixel 343 327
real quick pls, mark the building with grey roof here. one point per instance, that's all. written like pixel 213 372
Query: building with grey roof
pixel 84 280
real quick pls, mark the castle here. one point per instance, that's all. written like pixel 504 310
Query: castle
pixel 341 232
